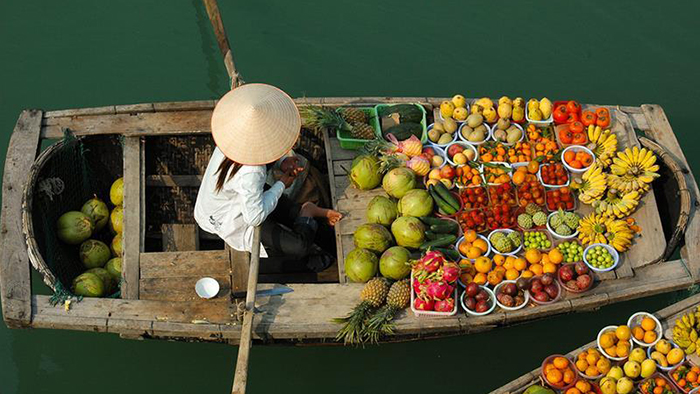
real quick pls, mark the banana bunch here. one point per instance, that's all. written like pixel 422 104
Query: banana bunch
pixel 603 144
pixel 617 205
pixel 685 332
pixel 597 228
pixel 592 185
pixel 633 169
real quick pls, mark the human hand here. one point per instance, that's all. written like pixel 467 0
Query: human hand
pixel 290 176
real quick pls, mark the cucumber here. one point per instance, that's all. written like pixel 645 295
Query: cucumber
pixel 441 189
pixel 408 113
pixel 443 207
pixel 447 228
pixel 404 131
pixel 429 220
pixel 450 254
pixel 432 236
pixel 445 240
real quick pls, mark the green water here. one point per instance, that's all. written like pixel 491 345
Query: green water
pixel 79 53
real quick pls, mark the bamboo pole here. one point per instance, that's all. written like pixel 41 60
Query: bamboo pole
pixel 240 378
pixel 217 23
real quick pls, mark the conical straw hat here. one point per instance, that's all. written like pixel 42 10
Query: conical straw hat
pixel 255 124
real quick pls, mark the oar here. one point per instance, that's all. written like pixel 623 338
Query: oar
pixel 215 17
pixel 240 378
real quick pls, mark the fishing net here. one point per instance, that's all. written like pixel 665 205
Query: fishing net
pixel 74 171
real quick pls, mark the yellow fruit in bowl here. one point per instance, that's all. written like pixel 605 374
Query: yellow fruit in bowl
pixel 663 346
pixel 459 159
pixel 460 114
pixel 527 274
pixel 607 340
pixel 437 161
pixel 603 365
pixel 485 102
pixel 470 236
pixel 581 365
pixel 649 336
pixel 591 371
pixel 473 252
pixel 592 358
pixel 483 264
pixel 622 350
pixel 459 101
pixel 623 333
pixel 434 173
pixel 675 356
pixel 481 244
pixel 512 274
pixel 638 333
pixel 611 351
pixel 648 324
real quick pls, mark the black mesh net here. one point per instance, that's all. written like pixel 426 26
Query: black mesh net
pixel 75 172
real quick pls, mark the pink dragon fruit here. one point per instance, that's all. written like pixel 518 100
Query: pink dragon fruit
pixel 450 272
pixel 438 290
pixel 446 305
pixel 423 303
pixel 432 260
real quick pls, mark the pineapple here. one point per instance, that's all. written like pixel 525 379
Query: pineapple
pixel 362 131
pixel 324 118
pixel 380 322
pixel 353 115
pixel 372 296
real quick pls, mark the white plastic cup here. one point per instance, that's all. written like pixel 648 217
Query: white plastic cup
pixel 207 288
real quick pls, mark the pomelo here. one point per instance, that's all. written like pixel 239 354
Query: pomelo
pixel 97 211
pixel 117 246
pixel 361 265
pixel 106 278
pixel 74 227
pixel 394 263
pixel 116 220
pixel 114 268
pixel 116 192
pixel 88 285
pixel 94 253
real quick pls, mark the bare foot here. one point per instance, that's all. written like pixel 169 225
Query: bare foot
pixel 310 209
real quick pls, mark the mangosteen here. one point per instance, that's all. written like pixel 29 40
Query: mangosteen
pixel 472 289
pixel 507 300
pixel 482 306
pixel 547 279
pixel 470 303
pixel 536 285
pixel 572 284
pixel 566 273
pixel 583 281
pixel 551 290
pixel 542 297
pixel 581 268
pixel 519 299
pixel 482 295
pixel 523 283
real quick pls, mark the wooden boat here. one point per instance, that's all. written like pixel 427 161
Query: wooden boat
pixel 162 148
pixel 666 316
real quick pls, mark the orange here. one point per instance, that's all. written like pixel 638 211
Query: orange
pixel 582 365
pixel 592 371
pixel 555 256
pixel 518 177
pixel 649 336
pixel 500 270
pixel 638 333
pixel 569 156
pixel 533 256
pixel 607 340
pixel 499 259
pixel 592 358
pixel 537 269
pixel 510 263
pixel 483 264
pixel 512 274
pixel 583 386
pixel 473 252
pixel 480 279
pixel 545 259
pixel 611 351
pixel 573 390
pixel 554 376
pixel 623 333
pixel 622 350
pixel 463 248
pixel 494 277
pixel 603 365
pixel 481 244
pixel 520 264
pixel 560 362
pixel 527 274
pixel 569 376
pixel 548 367
pixel 470 236
pixel 549 268
pixel 691 377
pixel 648 324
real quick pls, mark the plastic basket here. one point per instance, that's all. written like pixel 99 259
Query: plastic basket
pixel 376 122
pixel 345 138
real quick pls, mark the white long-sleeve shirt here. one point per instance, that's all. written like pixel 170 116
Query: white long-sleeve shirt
pixel 238 207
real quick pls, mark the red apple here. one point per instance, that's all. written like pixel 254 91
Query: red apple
pixel 552 291
pixel 547 279
pixel 482 306
pixel 470 303
pixel 542 297
pixel 447 172
pixel 566 273
pixel 454 149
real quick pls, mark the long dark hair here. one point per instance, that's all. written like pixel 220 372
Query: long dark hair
pixel 224 174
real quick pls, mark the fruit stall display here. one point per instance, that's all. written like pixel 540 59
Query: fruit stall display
pixel 550 214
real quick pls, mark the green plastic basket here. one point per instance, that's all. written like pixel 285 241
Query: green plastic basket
pixel 376 122
pixel 345 138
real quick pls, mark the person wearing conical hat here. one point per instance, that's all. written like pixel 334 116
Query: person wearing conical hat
pixel 255 125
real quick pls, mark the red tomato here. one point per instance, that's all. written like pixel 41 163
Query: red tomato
pixel 588 118
pixel 560 114
pixel 565 136
pixel 579 138
pixel 572 117
pixel 603 121
pixel 573 107
pixel 576 127
pixel 602 111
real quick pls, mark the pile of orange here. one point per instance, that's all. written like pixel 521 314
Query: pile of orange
pixel 466 176
pixel 656 386
pixel 521 152
pixel 616 343
pixel 558 373
pixel 578 159
pixel 472 246
pixel 582 387
pixel 507 268
pixel 543 262
pixel 646 331
pixel 496 175
pixel 686 377
pixel 591 363
pixel 524 174
pixel 544 145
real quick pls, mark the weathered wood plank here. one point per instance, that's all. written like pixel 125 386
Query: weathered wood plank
pixel 174 180
pixel 15 278
pixel 180 237
pixel 184 106
pixel 179 264
pixel 660 130
pixel 180 288
pixel 133 227
pixel 240 262
pixel 134 108
pixel 107 110
pixel 330 153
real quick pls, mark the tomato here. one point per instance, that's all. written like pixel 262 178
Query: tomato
pixel 576 127
pixel 603 121
pixel 560 114
pixel 572 117
pixel 602 112
pixel 565 136
pixel 579 138
pixel 573 107
pixel 588 118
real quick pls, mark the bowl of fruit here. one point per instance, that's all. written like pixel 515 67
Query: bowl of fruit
pixel 553 175
pixel 531 217
pixel 686 377
pixel 478 300
pixel 474 131
pixel 496 173
pixel 666 354
pixel 562 224
pixel 540 112
pixel 473 245
pixel 502 194
pixel 505 241
pixel 646 329
pixel 445 174
pixel 657 384
pixel 446 205
pixel 577 159
pixel 601 257
pixel 459 153
pixel 468 177
pixel 572 251
pixel 507 133
pixel 500 216
pixel 438 135
pixel 509 297
pixel 473 219
pixel 536 239
pixel 474 196
pixel 543 289
pixel 557 198
pixel 590 364
pixel 436 156
pixel 558 372
pixel 614 343
pixel 575 277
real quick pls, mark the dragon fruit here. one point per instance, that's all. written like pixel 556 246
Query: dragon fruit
pixel 446 305
pixel 419 164
pixel 423 303
pixel 450 272
pixel 432 260
pixel 438 290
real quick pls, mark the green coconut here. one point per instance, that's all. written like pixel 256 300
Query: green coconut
pixel 372 236
pixel 94 253
pixel 116 192
pixel 116 220
pixel 393 263
pixel 399 181
pixel 114 268
pixel 361 265
pixel 96 210
pixel 106 278
pixel 88 284
pixel 365 172
pixel 381 210
pixel 74 227
pixel 408 231
pixel 116 246
pixel 416 202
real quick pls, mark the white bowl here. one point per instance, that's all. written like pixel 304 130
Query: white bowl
pixel 581 374
pixel 650 350
pixel 207 288
pixel 508 308
pixel 602 351
pixel 492 297
pixel 486 137
pixel 538 123
pixel 507 231
pixel 613 252
pixel 435 144
pixel 459 241
pixel 466 145
pixel 438 151
pixel 636 320
pixel 539 177
pixel 522 134
pixel 576 148
pixel 554 234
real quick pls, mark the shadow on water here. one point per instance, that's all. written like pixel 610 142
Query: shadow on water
pixel 210 49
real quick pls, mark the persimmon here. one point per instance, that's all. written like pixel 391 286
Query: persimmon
pixel 602 111
pixel 573 107
pixel 603 121
pixel 576 127
pixel 579 138
pixel 565 136
pixel 569 156
pixel 588 118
